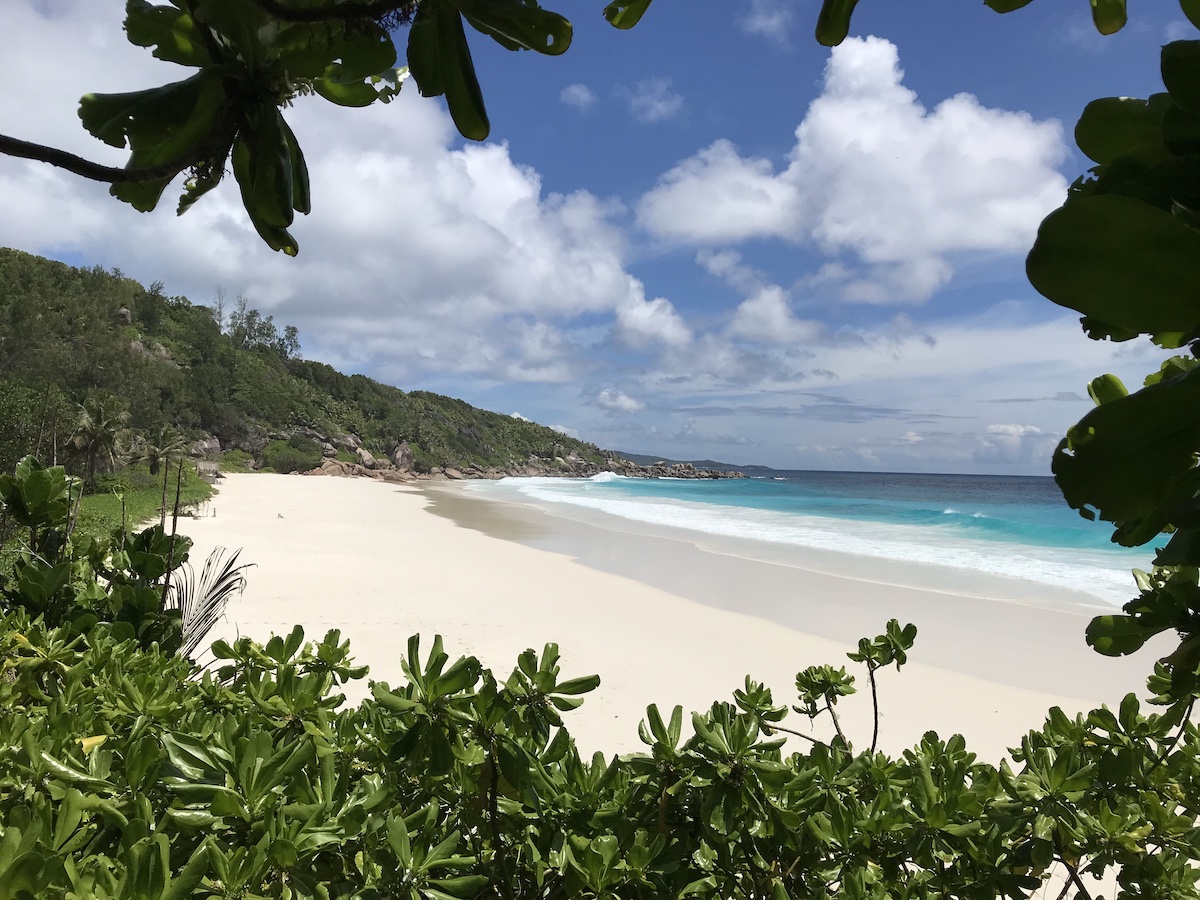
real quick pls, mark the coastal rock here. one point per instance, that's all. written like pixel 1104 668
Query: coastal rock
pixel 205 448
pixel 395 476
pixel 453 473
pixel 403 458
pixel 365 458
pixel 328 450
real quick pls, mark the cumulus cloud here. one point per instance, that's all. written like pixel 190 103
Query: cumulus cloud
pixel 652 100
pixel 641 323
pixel 1013 430
pixel 618 401
pixel 767 317
pixel 769 18
pixel 578 95
pixel 1011 444
pixel 423 256
pixel 886 188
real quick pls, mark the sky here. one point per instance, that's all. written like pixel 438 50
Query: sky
pixel 707 237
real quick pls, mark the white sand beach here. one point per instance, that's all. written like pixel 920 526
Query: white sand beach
pixel 373 560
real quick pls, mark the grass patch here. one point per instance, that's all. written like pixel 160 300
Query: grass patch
pixel 101 512
pixel 236 461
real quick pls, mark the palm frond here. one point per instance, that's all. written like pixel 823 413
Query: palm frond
pixel 202 600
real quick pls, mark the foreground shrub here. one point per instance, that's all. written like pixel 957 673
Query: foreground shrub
pixel 128 773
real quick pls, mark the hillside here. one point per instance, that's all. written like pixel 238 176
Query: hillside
pixel 231 381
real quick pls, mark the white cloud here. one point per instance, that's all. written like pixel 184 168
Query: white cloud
pixel 1012 444
pixel 729 267
pixel 565 429
pixel 618 401
pixel 717 197
pixel 518 417
pixel 578 95
pixel 642 323
pixel 1013 430
pixel 770 18
pixel 1179 30
pixel 767 317
pixel 652 100
pixel 421 256
pixel 875 180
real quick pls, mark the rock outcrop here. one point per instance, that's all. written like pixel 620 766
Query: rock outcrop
pixel 403 458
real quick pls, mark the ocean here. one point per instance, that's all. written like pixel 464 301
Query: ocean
pixel 1017 528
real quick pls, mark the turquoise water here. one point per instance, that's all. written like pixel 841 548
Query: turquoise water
pixel 1015 527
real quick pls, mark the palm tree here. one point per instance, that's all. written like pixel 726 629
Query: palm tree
pixel 168 444
pixel 99 430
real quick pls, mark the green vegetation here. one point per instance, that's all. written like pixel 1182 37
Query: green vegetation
pixel 1124 250
pixel 248 781
pixel 296 455
pixel 252 780
pixel 116 366
pixel 133 497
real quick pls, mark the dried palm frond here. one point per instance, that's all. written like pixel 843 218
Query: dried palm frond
pixel 201 601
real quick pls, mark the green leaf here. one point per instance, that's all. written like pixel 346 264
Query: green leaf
pixel 1006 6
pixel 463 94
pixel 1181 73
pixel 397 838
pixel 833 21
pixel 624 14
pixel 193 818
pixel 1117 635
pixel 172 33
pixel 423 52
pixel 517 25
pixel 461 886
pixel 71 774
pixel 1107 388
pixel 1109 16
pixel 1116 127
pixel 354 94
pixel 1191 9
pixel 578 685
pixel 1132 460
pixel 1121 262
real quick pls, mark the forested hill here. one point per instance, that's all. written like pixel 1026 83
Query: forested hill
pixel 70 336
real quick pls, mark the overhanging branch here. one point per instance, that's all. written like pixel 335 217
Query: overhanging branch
pixel 77 165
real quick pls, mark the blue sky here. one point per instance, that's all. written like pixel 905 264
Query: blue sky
pixel 706 237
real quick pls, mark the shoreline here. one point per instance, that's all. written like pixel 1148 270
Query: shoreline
pixel 369 558
pixel 711 571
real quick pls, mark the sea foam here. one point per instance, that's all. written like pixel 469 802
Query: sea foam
pixel 974 542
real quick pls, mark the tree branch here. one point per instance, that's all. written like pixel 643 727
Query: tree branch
pixel 1182 728
pixel 77 165
pixel 808 737
pixel 874 706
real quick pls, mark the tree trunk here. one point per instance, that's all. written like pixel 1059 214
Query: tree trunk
pixel 162 510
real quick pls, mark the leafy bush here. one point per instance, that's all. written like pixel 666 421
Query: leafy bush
pixel 282 457
pixel 250 780
pixel 133 496
pixel 236 461
pixel 126 772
